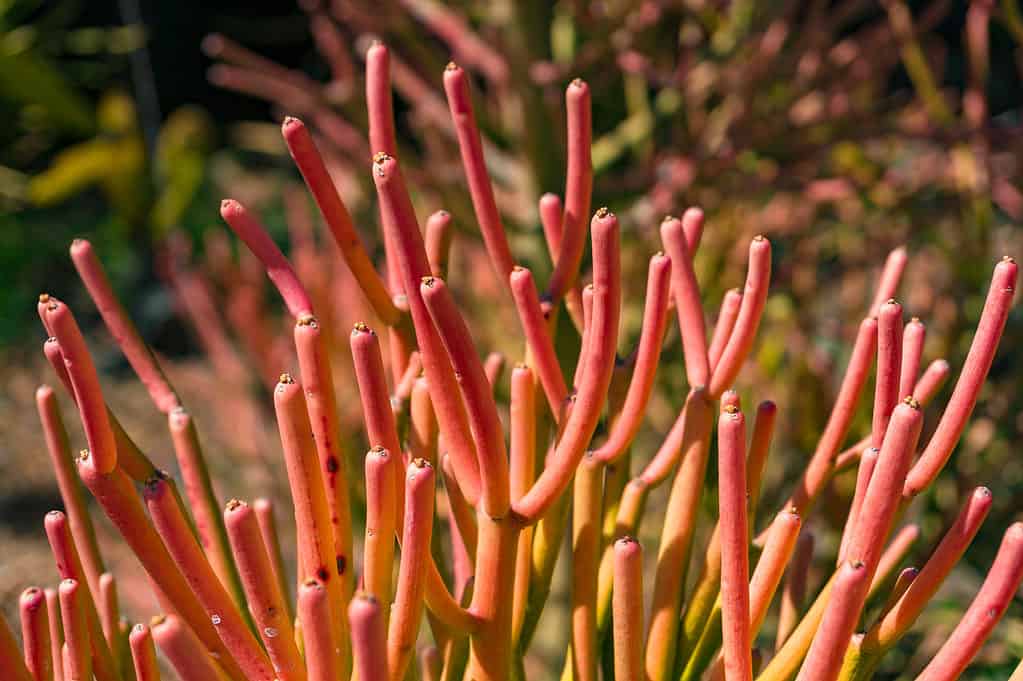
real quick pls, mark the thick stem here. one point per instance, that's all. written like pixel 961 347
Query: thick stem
pixel 10 655
pixel 889 360
pixel 868 461
pixel 913 337
pixel 729 312
pixel 888 282
pixel 184 651
pixel 794 592
pixel 543 357
pixel 381 524
pixel 35 634
pixel 586 539
pixel 78 658
pixel 314 615
pixel 627 606
pixel 56 634
pixel 264 511
pixel 522 473
pixel 143 654
pixel 369 638
pixel 824 659
pixel 439 233
pixel 688 305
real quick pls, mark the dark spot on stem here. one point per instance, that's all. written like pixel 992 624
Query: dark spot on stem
pixel 332 465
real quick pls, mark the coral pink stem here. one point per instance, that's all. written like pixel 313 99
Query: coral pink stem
pixel 891 275
pixel 754 297
pixel 35 634
pixel 889 360
pixel 655 317
pixel 78 658
pixel 541 346
pixel 315 614
pixel 964 396
pixel 56 634
pixel 369 638
pixel 688 306
pixel 913 338
pixel 868 460
pixel 143 654
pixel 735 605
pixel 824 659
pixel 183 650
pixel 439 233
pixel 578 190
pixel 729 312
pixel 628 610
pixel 456 86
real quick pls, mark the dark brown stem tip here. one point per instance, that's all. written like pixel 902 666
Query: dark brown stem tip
pixel 379 450
pixel 857 564
pixel 420 462
pixel 235 504
pixel 53 306
pixel 428 281
pixel 730 409
pixel 51 339
pixel 452 66
pixel 891 301
pixel 361 327
pixel 578 82
pixel 760 237
pixel 604 212
pixel 911 401
pixel 44 297
pixel 83 454
pixel 381 157
pixel 312 583
pixel 306 320
pixel 627 539
pixel 285 379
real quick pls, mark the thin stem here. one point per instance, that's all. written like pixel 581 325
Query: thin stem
pixel 415 554
pixel 335 214
pixel 522 473
pixel 184 651
pixel 543 357
pixel 655 317
pixel 732 500
pixel 78 660
pixel 56 634
pixel 727 315
pixel 754 297
pixel 586 539
pixel 971 379
pixel 688 305
pixel 794 592
pixel 868 460
pixel 888 282
pixel 824 659
pixel 264 511
pixel 456 87
pixel 266 601
pixel 578 190
pixel 190 559
pixel 109 611
pixel 439 234
pixel 889 359
pixel 913 337
pixel 10 654
pixel 381 524
pixel 628 610
pixel 987 608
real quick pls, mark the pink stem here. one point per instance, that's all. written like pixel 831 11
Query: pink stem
pixel 550 220
pixel 10 655
pixel 541 346
pixel 493 367
pixel 456 86
pixel 88 394
pixel 56 635
pixel 889 358
pixel 930 382
pixel 688 305
pixel 913 338
pixel 422 438
pixel 379 103
pixel 723 328
pixel 964 396
pixel 578 190
pixel 735 605
pixel 439 232
pixel 249 230
pixel 692 225
pixel 381 523
pixel 35 634
pixel 754 297
pixel 315 614
pixel 627 605
pixel 396 207
pixel 190 559
pixel 868 460
pixel 987 608
pixel 78 661
pixel 120 326
pixel 655 317
pixel 271 540
pixel 824 659
pixel 596 378
pixel 184 651
pixel 369 638
pixel 143 654
pixel 795 588
pixel 266 601
pixel 476 393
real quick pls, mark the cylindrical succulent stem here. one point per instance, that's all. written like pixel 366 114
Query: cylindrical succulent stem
pixel 335 214
pixel 677 537
pixel 889 360
pixel 971 379
pixel 655 316
pixel 315 542
pixel 732 500
pixel 868 460
pixel 121 327
pixel 420 484
pixel 78 656
pixel 727 315
pixel 913 337
pixel 824 658
pixel 578 190
pixel 396 207
pixel 321 404
pixel 69 566
pixel 600 350
pixel 794 591
pixel 109 611
pixel 369 638
pixel 266 602
pixel 439 234
pixel 628 610
pixel 543 357
pixel 987 608
pixel 888 282
pixel 184 651
pixel 264 511
pixel 143 654
pixel 56 634
pixel 423 435
pixel 476 393
pixel 70 486
pixel 490 647
pixel 522 472
pixel 586 539
pixel 10 655
pixel 381 524
pixel 314 616
pixel 688 305
pixel 82 372
pixel 781 543
pixel 456 86
pixel 35 634
pixel 819 469
pixel 203 502
pixel 754 298
pixel 190 559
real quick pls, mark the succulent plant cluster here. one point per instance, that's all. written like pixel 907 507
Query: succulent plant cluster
pixel 510 487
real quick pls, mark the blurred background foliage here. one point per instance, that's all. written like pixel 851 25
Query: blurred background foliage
pixel 840 128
